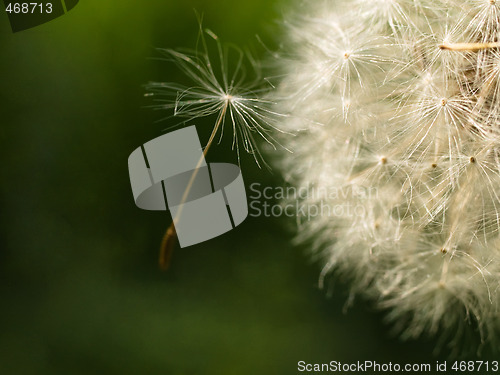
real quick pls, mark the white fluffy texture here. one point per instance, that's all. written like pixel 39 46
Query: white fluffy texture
pixel 380 108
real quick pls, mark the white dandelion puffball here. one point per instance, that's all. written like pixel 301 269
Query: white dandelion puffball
pixel 396 109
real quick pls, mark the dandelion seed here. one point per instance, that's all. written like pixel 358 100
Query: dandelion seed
pixel 224 93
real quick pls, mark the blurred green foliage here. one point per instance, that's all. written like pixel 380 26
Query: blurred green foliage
pixel 79 285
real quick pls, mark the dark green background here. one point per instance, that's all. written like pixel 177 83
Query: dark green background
pixel 79 285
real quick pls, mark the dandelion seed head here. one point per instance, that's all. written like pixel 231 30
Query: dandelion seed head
pixel 401 98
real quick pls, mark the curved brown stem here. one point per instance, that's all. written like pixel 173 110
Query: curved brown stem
pixel 167 247
pixel 169 238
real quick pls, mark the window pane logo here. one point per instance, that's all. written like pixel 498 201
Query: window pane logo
pixel 205 199
pixel 27 14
